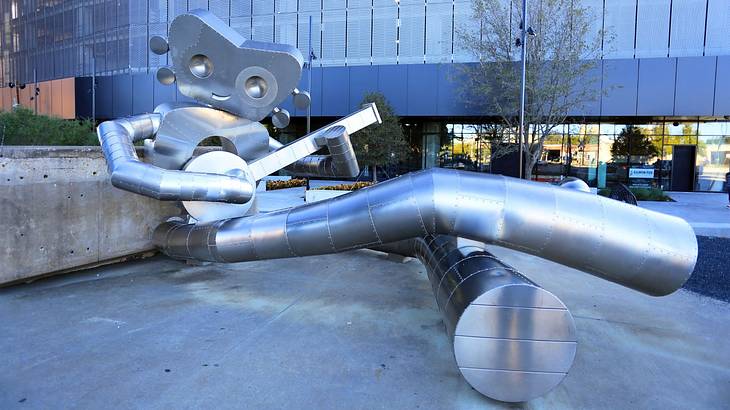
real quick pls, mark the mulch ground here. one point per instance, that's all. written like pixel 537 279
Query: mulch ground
pixel 712 272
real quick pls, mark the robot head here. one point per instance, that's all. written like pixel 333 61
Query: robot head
pixel 215 65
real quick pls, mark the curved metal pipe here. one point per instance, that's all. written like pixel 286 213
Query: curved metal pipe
pixel 648 251
pixel 117 139
pixel 489 308
pixel 341 162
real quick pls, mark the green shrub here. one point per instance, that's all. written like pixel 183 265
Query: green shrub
pixel 642 194
pixel 346 187
pixel 650 194
pixel 22 127
pixel 292 183
pixel 604 191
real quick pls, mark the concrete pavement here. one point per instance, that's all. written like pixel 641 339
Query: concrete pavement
pixel 352 331
pixel 705 211
pixel 349 331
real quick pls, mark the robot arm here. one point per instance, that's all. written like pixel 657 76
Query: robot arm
pixel 117 139
pixel 341 161
pixel 335 136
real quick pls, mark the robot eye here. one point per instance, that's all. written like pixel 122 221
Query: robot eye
pixel 256 87
pixel 200 66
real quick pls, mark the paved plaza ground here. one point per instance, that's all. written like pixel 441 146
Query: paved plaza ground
pixel 706 212
pixel 354 331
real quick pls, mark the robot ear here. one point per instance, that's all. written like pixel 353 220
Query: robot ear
pixel 301 99
pixel 280 118
pixel 159 45
pixel 165 75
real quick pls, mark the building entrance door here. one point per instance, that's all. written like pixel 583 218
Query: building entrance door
pixel 683 167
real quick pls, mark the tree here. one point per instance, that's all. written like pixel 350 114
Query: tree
pixel 632 142
pixel 380 144
pixel 560 60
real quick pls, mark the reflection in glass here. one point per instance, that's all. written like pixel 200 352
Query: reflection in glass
pixel 638 155
pixel 713 161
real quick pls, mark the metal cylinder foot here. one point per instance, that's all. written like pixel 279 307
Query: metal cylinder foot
pixel 513 341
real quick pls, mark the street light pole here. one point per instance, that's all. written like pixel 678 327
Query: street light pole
pixel 309 77
pixel 522 86
pixel 35 90
pixel 93 89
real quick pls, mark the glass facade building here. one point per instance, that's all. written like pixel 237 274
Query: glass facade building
pixel 76 37
pixel 599 153
pixel 668 63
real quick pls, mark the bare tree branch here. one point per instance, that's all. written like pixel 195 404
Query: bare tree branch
pixel 560 60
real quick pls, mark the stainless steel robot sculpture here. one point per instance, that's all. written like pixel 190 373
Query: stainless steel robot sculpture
pixel 512 340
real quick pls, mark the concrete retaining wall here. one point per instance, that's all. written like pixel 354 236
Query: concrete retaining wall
pixel 58 211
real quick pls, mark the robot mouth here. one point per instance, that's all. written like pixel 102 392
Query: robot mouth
pixel 219 97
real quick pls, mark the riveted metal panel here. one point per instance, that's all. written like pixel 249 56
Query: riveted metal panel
pixel 359 34
pixel 620 20
pixel 155 60
pixel 262 28
pixel 285 29
pixel 303 34
pixel 262 7
pixel 652 28
pixel 197 4
pixel 220 8
pixel 286 6
pixel 240 8
pixel 411 37
pixel 157 12
pixel 463 23
pixel 242 25
pixel 688 28
pixel 439 30
pixel 385 31
pixel 176 8
pixel 138 49
pixel 333 38
pixel 718 21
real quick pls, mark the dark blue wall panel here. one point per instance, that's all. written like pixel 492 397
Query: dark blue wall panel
pixel 105 97
pixel 122 104
pixel 422 89
pixel 644 87
pixel 656 86
pixel 163 93
pixel 142 98
pixel 620 82
pixel 722 86
pixel 695 85
pixel 591 81
pixel 316 88
pixel 335 91
pixel 393 83
pixel 82 89
pixel 448 101
pixel 363 80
